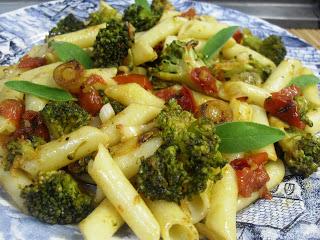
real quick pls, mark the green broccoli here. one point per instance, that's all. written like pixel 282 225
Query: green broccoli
pixel 63 117
pixel 271 47
pixel 188 158
pixel 301 152
pixel 55 198
pixel 143 18
pixel 112 44
pixel 104 14
pixel 68 24
pixel 19 147
pixel 304 107
pixel 177 62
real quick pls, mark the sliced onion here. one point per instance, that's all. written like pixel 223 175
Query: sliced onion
pixel 106 112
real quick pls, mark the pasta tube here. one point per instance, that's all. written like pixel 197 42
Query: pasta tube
pixel 259 115
pixel 12 182
pixel 134 114
pixel 142 50
pixel 129 162
pixel 276 172
pixel 83 38
pixel 314 116
pixel 282 75
pixel 221 218
pixel 123 196
pixel 174 224
pixel 237 50
pixel 65 150
pixel 134 93
pixel 102 223
pixel 237 89
pixel 198 206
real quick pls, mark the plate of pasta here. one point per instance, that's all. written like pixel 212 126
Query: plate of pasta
pixel 156 120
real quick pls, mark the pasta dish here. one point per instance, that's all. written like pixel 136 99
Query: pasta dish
pixel 167 121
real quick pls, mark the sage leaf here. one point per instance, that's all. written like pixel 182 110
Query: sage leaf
pixel 304 80
pixel 42 91
pixel 68 51
pixel 217 41
pixel 143 3
pixel 246 136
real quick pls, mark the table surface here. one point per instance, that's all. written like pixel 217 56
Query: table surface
pixel 310 35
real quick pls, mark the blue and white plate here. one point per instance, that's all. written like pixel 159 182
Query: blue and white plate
pixel 294 211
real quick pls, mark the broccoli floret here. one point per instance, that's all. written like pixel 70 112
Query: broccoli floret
pixel 64 117
pixel 19 147
pixel 301 152
pixel 104 14
pixel 112 44
pixel 143 18
pixel 177 62
pixel 271 47
pixel 55 198
pixel 68 24
pixel 189 157
pixel 140 17
pixel 304 107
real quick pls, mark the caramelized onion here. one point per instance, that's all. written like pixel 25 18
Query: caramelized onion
pixel 217 110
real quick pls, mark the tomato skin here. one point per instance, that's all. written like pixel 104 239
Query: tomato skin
pixel 140 79
pixel 12 109
pixel 282 105
pixel 203 78
pixel 251 174
pixel 31 62
pixel 184 97
pixel 37 124
pixel 167 93
pixel 190 13
pixel 91 101
pixel 238 36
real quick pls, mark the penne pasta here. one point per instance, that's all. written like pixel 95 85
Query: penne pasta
pixel 174 224
pixel 134 94
pixel 129 154
pixel 221 218
pixel 282 75
pixel 127 202
pixel 65 150
pixel 314 117
pixel 102 223
pixel 133 115
pixel 12 182
pixel 83 38
pixel 254 94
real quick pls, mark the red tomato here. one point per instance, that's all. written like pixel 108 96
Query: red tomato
pixel 183 96
pixel 91 101
pixel 203 78
pixel 238 36
pixel 12 109
pixel 190 13
pixel 31 62
pixel 186 100
pixel 38 126
pixel 251 174
pixel 167 93
pixel 282 105
pixel 142 80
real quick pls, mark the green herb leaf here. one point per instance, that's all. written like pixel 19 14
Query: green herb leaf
pixel 217 41
pixel 305 80
pixel 68 51
pixel 42 91
pixel 246 136
pixel 143 3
